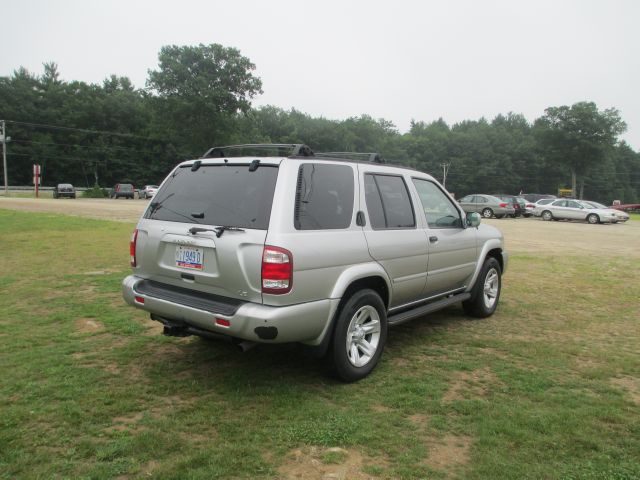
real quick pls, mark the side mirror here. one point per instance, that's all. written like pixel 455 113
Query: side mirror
pixel 473 219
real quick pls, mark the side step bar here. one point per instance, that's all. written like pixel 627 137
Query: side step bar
pixel 403 317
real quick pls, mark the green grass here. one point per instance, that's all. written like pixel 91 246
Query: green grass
pixel 546 388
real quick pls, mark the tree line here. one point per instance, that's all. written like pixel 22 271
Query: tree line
pixel 200 96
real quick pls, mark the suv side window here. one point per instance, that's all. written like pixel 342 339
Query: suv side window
pixel 438 209
pixel 324 197
pixel 388 202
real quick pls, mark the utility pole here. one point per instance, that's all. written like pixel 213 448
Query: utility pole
pixel 445 169
pixel 5 139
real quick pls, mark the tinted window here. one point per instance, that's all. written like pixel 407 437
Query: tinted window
pixel 466 199
pixel 438 209
pixel 324 197
pixel 227 195
pixel 388 202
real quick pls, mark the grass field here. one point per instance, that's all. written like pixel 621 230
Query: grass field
pixel 549 387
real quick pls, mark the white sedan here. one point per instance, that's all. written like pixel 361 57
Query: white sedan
pixel 148 191
pixel 568 209
pixel 622 216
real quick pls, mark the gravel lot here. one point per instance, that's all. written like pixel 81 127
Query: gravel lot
pixel 521 235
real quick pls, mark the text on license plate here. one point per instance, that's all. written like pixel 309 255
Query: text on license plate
pixel 189 257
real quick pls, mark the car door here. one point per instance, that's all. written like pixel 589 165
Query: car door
pixel 453 251
pixel 392 234
pixel 558 209
pixel 575 211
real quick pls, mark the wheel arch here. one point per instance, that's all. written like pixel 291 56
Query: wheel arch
pixel 358 277
pixel 491 248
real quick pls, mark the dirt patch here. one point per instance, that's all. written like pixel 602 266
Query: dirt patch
pixel 101 209
pixel 450 454
pixel 631 385
pixel 153 328
pixel 88 325
pixel 307 463
pixel 420 420
pixel 380 408
pixel 533 236
pixel 128 423
pixel 470 385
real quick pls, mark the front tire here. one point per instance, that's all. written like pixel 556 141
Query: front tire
pixel 487 213
pixel 592 218
pixel 359 336
pixel 546 215
pixel 486 291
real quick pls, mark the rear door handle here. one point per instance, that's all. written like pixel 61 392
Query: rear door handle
pixel 433 239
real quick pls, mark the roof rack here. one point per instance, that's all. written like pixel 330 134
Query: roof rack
pixel 368 157
pixel 259 149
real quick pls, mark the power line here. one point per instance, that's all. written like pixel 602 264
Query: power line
pixel 83 130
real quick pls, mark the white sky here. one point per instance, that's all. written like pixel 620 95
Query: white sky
pixel 398 60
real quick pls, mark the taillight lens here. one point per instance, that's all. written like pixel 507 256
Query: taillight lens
pixel 132 247
pixel 277 270
pixel 503 205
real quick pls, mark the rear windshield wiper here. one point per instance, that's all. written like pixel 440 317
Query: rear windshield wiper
pixel 218 230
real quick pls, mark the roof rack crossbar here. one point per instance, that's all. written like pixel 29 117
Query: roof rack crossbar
pixel 370 157
pixel 291 149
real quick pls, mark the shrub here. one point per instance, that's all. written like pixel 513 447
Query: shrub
pixel 95 192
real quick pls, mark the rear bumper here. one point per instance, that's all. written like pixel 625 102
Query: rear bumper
pixel 304 322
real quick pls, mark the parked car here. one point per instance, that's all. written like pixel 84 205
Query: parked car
pixel 564 209
pixel 621 216
pixel 529 207
pixel 513 201
pixel 148 191
pixel 125 190
pixel 309 248
pixel 534 197
pixel 537 210
pixel 487 205
pixel 62 190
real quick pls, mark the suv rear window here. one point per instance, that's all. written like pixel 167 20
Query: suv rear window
pixel 228 195
pixel 324 197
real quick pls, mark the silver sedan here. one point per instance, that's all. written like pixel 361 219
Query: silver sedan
pixel 622 216
pixel 486 205
pixel 566 209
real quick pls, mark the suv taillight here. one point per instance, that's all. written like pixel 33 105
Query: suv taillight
pixel 277 270
pixel 132 247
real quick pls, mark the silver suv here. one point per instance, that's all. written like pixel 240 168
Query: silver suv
pixel 321 249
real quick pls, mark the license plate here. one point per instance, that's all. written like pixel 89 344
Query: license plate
pixel 189 257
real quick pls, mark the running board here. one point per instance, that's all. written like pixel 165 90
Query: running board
pixel 403 317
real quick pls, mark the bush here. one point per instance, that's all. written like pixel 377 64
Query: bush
pixel 95 192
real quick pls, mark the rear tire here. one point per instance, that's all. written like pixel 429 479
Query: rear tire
pixel 592 218
pixel 486 291
pixel 546 215
pixel 359 336
pixel 487 213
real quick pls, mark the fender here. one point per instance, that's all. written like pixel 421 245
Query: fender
pixel 488 245
pixel 356 272
pixel 346 278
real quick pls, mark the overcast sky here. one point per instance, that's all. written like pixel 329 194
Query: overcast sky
pixel 398 60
